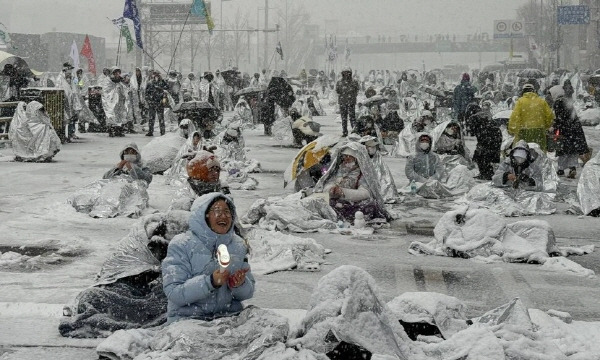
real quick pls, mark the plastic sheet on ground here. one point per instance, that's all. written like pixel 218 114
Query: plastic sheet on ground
pixel 274 251
pixel 292 213
pixel 445 312
pixel 511 202
pixel 458 181
pixel 160 153
pixel 588 187
pixel 107 198
pixel 589 117
pixel 485 236
pixel 346 303
pixel 242 337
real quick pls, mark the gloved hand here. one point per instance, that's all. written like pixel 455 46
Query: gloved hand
pixel 238 278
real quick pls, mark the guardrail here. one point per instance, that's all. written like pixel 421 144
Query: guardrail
pixel 6 119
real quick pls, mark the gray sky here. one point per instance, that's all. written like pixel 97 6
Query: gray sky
pixel 389 17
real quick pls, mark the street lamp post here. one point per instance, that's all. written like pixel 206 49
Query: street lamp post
pixel 222 36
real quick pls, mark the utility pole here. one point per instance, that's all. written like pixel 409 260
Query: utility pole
pixel 266 53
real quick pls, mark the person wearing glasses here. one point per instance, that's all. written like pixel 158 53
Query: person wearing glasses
pixel 196 282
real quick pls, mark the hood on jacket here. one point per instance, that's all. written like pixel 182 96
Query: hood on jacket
pixel 200 228
pixel 190 127
pixel 522 145
pixel 133 146
pixel 418 149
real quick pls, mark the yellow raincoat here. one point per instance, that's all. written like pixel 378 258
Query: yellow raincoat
pixel 530 120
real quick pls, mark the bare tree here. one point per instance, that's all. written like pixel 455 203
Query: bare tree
pixel 294 43
pixel 236 40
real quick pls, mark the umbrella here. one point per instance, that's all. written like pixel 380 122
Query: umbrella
pixel 504 114
pixel 230 76
pixel 561 71
pixel 248 91
pixel 195 105
pixel 594 80
pixel 375 100
pixel 531 74
pixel 493 67
pixel 295 82
pixel 17 62
pixel 310 155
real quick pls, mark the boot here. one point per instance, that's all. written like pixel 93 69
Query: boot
pixel 149 134
pixel 111 131
pixel 572 173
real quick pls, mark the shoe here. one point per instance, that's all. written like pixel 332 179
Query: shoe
pixel 149 134
pixel 572 174
pixel 560 172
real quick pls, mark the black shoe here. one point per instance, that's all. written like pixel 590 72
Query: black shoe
pixel 560 172
pixel 572 174
pixel 149 134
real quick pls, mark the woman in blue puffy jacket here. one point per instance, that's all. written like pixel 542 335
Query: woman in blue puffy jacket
pixel 196 285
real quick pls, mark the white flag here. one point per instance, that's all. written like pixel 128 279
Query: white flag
pixel 74 55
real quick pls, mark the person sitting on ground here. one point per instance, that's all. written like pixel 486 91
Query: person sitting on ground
pixel 365 126
pixel 303 129
pixel 489 141
pixel 352 186
pixel 382 170
pixel 425 165
pixel 520 169
pixel 425 123
pixel 32 135
pixel 450 141
pixel 185 154
pixel 197 285
pixel 390 126
pixel 131 165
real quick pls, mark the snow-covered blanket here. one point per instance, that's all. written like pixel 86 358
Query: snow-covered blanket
pixel 458 181
pixel 485 236
pixel 511 202
pixel 241 337
pixel 588 187
pixel 107 198
pixel 238 179
pixel 160 153
pixel 282 131
pixel 405 146
pixel 292 213
pixel 589 117
pixel 274 251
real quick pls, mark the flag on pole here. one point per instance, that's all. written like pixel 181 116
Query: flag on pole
pixel 199 9
pixel 86 51
pixel 118 22
pixel 127 35
pixel 74 55
pixel 279 49
pixel 131 12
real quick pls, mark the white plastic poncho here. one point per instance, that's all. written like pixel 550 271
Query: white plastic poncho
pixel 113 103
pixel 109 198
pixel 186 152
pixel 32 136
pixel 386 181
pixel 588 187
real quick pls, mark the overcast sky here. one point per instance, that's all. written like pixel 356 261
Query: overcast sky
pixel 389 17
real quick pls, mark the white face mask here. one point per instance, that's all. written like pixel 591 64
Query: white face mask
pixel 371 150
pixel 450 131
pixel 519 160
pixel 130 157
pixel 349 166
pixel 424 146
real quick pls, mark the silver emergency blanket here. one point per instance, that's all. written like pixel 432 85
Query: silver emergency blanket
pixel 457 181
pixel 232 151
pixel 589 117
pixel 479 233
pixel 588 187
pixel 282 131
pixel 113 103
pixel 389 192
pixel 107 198
pixel 346 306
pixel 186 151
pixel 133 256
pixel 161 152
pixel 437 132
pixel 405 146
pixel 243 114
pixel 366 167
pixel 511 202
pixel 31 134
pixel 292 213
pixel 240 337
pixel 274 251
pixel 445 312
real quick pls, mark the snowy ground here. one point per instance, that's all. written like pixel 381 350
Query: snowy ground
pixel 33 212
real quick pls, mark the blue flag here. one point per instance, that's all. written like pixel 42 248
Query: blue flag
pixel 131 12
pixel 199 9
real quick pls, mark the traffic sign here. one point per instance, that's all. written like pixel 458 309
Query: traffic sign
pixel 573 15
pixel 507 29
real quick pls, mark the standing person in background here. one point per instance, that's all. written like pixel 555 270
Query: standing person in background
pixel 347 90
pixel 531 118
pixel 463 95
pixel 155 91
pixel 138 88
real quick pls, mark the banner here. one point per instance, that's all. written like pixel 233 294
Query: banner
pixel 131 12
pixel 127 35
pixel 199 9
pixel 86 51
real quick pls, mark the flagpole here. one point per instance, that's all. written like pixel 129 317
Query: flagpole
pixel 180 34
pixel 119 46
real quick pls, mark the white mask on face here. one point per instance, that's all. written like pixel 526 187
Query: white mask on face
pixel 130 157
pixel 424 146
pixel 519 160
pixel 349 166
pixel 371 150
pixel 450 131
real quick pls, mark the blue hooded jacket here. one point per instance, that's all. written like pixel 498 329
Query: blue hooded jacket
pixel 191 259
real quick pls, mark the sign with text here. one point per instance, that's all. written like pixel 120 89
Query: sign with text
pixel 508 29
pixel 573 15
